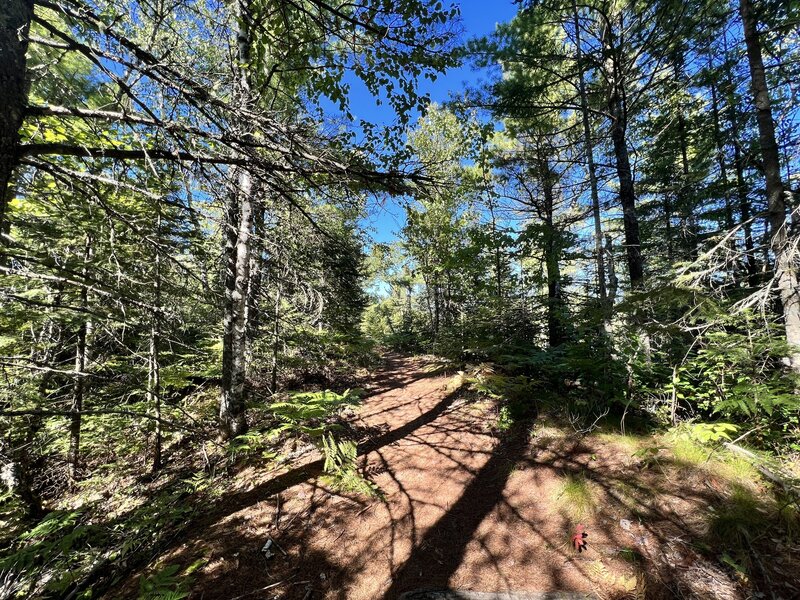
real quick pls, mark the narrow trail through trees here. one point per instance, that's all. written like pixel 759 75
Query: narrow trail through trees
pixel 461 508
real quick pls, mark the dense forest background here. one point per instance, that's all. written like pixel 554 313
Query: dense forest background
pixel 610 220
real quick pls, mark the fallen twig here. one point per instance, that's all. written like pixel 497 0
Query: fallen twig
pixel 786 483
pixel 263 589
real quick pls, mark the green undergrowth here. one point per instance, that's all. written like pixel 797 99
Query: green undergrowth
pixel 341 468
pixel 313 418
pixel 746 518
pixel 169 582
pixel 70 551
pixel 319 356
pixel 116 519
pixel 118 513
pixel 514 396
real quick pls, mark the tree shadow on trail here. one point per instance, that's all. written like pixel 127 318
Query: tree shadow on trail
pixel 399 371
pixel 223 578
pixel 235 502
pixel 441 551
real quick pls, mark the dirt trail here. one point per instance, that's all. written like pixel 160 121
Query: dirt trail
pixel 462 509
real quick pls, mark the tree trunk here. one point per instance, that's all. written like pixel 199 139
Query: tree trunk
pixel 257 265
pixel 739 168
pixel 590 166
pixel 723 174
pixel 276 337
pixel 428 303
pixel 627 195
pixel 239 221
pixel 690 227
pixel 741 194
pixel 232 404
pixel 556 310
pixel 785 262
pixel 628 201
pixel 498 259
pixel 612 273
pixel 154 369
pixel 721 163
pixel 154 394
pixel 26 458
pixel 436 307
pixel 15 19
pixel 81 360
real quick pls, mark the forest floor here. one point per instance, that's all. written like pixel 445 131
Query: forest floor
pixel 464 507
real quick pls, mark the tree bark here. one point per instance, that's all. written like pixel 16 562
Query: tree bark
pixel 721 162
pixel 154 368
pixel 719 141
pixel 685 205
pixel 785 261
pixel 436 307
pixel 556 309
pixel 627 195
pixel 254 289
pixel 590 166
pixel 15 19
pixel 612 274
pixel 276 337
pixel 234 346
pixel 154 394
pixel 741 188
pixel 498 259
pixel 79 388
pixel 239 222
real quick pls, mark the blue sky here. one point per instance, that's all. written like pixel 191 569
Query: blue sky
pixel 479 18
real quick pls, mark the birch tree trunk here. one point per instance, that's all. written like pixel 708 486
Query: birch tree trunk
pixel 234 340
pixel 239 223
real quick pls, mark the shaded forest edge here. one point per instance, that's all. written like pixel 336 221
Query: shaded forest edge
pixel 669 511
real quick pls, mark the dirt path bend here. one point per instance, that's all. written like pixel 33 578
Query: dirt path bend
pixel 461 509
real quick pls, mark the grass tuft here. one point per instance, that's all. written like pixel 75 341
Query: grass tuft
pixel 789 515
pixel 736 470
pixel 628 443
pixel 576 498
pixel 688 452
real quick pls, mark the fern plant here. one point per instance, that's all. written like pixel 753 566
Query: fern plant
pixel 310 415
pixel 164 584
pixel 341 467
pixel 306 413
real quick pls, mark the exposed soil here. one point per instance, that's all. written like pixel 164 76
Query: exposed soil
pixel 462 507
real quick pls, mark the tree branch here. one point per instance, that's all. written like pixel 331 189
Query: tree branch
pixel 70 413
